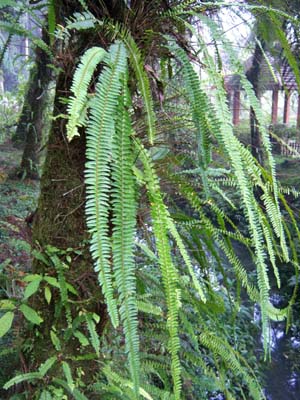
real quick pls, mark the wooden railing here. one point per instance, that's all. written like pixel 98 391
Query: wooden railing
pixel 291 149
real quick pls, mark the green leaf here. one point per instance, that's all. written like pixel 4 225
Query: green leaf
pixel 6 322
pixel 21 378
pixel 32 277
pixel 45 395
pixel 142 80
pixel 75 393
pixel 52 281
pixel 123 237
pixel 55 340
pixel 32 287
pixel 68 375
pixel 100 131
pixel 82 338
pixel 93 333
pixel 30 314
pixel 82 77
pixel 41 257
pixel 7 305
pixel 149 308
pixel 96 318
pixel 71 289
pixel 44 368
pixel 48 294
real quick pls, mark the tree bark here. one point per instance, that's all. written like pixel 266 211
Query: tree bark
pixel 59 220
pixel 32 121
pixel 253 76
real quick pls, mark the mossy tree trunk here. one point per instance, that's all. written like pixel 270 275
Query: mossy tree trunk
pixel 60 222
pixel 32 122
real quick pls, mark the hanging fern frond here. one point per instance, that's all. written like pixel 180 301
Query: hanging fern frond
pixel 143 83
pixel 232 360
pixel 200 111
pixel 169 274
pixel 186 258
pixel 232 147
pixel 101 127
pixel 124 219
pixel 254 103
pixel 81 80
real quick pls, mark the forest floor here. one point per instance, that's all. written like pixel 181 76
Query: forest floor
pixel 18 199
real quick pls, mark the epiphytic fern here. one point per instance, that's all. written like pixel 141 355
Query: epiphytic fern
pixel 169 274
pixel 124 217
pixel 142 82
pixel 108 175
pixel 81 80
pixel 100 130
pixel 111 211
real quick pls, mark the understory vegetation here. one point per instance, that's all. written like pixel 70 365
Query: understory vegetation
pixel 147 252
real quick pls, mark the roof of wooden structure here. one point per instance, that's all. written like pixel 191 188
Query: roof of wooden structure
pixel 272 77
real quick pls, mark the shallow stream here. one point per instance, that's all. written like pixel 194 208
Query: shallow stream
pixel 282 383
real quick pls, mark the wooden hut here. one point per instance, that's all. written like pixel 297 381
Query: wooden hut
pixel 275 79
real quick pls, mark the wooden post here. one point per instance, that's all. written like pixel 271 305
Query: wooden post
pixel 286 109
pixel 228 98
pixel 298 113
pixel 274 106
pixel 236 107
pixel 1 82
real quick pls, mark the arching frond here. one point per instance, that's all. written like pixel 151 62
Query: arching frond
pixel 143 84
pixel 81 80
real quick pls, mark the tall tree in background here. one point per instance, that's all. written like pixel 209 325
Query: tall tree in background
pixel 33 120
pixel 254 76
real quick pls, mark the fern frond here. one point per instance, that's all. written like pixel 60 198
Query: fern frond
pixel 124 220
pixel 94 338
pixel 292 60
pixel 61 268
pixel 143 83
pixel 116 378
pixel 232 147
pixel 254 103
pixel 169 274
pixel 173 230
pixel 98 168
pixel 22 378
pixel 231 358
pixel 202 113
pixel 81 80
